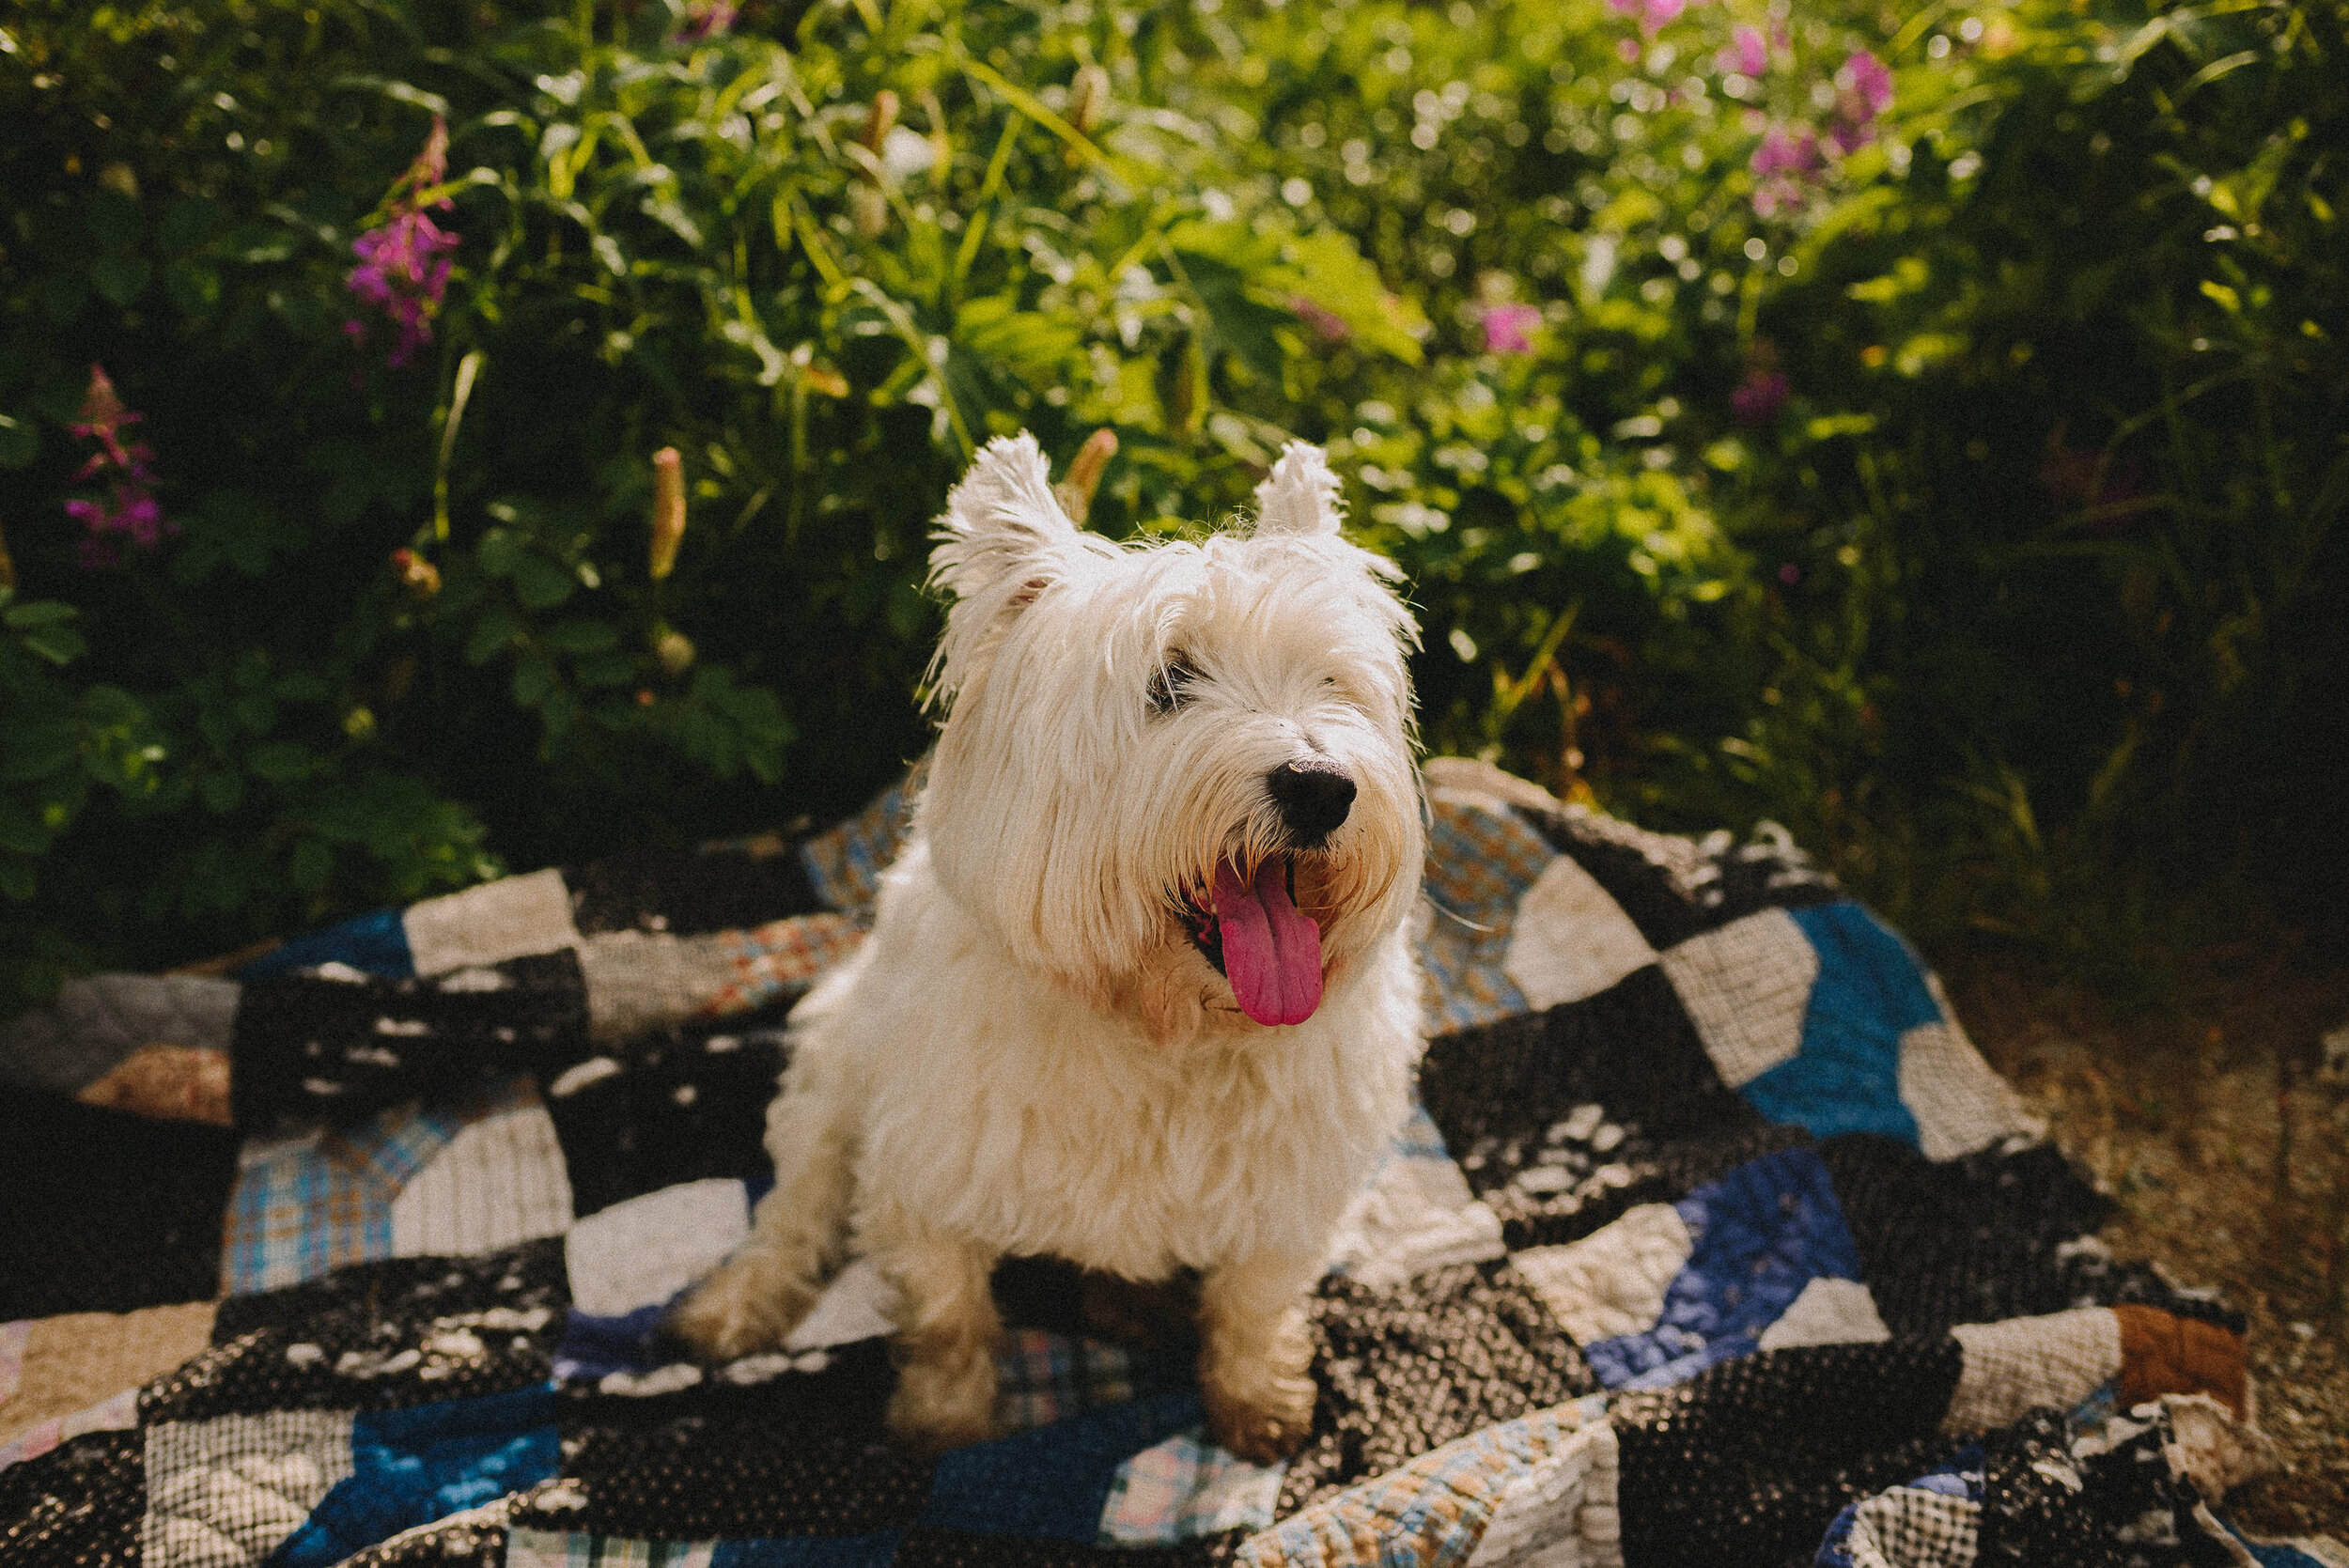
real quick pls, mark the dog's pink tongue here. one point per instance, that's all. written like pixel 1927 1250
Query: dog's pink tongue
pixel 1271 952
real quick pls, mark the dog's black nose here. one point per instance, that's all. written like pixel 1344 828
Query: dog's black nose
pixel 1313 795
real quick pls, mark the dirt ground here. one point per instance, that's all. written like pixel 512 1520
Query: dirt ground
pixel 2211 1121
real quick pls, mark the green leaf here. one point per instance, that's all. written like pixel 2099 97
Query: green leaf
pixel 223 792
pixel 59 644
pixel 491 634
pixel 581 636
pixel 20 442
pixel 120 277
pixel 534 677
pixel 281 762
pixel 39 612
pixel 541 583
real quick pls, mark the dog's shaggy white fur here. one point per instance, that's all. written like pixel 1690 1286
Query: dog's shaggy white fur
pixel 1138 995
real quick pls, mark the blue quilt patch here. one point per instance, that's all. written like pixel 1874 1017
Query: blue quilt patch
pixel 375 943
pixel 1870 990
pixel 1052 1481
pixel 411 1467
pixel 1762 1232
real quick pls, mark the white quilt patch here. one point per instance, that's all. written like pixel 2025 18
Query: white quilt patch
pixel 1612 1282
pixel 641 1252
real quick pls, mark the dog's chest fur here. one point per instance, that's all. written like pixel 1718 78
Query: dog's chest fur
pixel 998 1107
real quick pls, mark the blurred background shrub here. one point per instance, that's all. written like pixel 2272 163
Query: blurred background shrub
pixel 1922 427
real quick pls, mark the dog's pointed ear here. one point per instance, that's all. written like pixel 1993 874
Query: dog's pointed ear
pixel 1300 495
pixel 1002 539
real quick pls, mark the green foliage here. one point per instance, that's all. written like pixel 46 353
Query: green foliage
pixel 1963 493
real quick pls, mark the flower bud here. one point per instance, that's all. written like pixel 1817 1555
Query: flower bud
pixel 418 574
pixel 880 120
pixel 668 510
pixel 869 210
pixel 671 650
pixel 1088 96
pixel 1075 492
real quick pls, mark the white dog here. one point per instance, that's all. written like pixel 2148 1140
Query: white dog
pixel 1138 995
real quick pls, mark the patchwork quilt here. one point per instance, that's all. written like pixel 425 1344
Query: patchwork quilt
pixel 1710 1240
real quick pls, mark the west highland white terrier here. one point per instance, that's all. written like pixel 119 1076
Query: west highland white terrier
pixel 1139 994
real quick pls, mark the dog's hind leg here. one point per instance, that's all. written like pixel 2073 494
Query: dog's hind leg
pixel 1254 1363
pixel 947 1329
pixel 760 1294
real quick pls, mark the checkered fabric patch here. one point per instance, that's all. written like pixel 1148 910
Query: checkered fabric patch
pixel 224 1493
pixel 778 959
pixel 1184 1488
pixel 304 1208
pixel 2025 1362
pixel 1042 1377
pixel 1909 1527
pixel 1481 856
pixel 1432 1511
pixel 846 862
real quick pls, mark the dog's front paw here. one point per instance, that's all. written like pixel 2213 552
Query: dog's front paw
pixel 750 1305
pixel 1267 1422
pixel 942 1404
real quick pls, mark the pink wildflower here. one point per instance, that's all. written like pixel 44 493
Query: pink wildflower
pixel 1749 52
pixel 707 20
pixel 1651 14
pixel 1783 165
pixel 1863 90
pixel 1756 400
pixel 403 267
pixel 1327 325
pixel 1509 328
pixel 128 509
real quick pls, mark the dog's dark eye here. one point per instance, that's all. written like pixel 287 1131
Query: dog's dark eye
pixel 1170 687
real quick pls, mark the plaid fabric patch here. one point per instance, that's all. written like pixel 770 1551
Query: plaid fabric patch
pixel 778 959
pixel 541 1549
pixel 224 1493
pixel 1042 1377
pixel 844 862
pixel 301 1209
pixel 1184 1488
pixel 1432 1511
pixel 1481 856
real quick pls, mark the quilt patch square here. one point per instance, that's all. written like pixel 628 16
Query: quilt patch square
pixel 411 1467
pixel 1186 1487
pixel 224 1493
pixel 1758 1238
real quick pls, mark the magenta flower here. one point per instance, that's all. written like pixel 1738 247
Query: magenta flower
pixel 707 20
pixel 1509 328
pixel 1863 90
pixel 128 509
pixel 403 267
pixel 1749 52
pixel 1327 325
pixel 1867 76
pixel 1783 165
pixel 1651 14
pixel 1756 400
